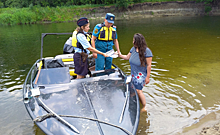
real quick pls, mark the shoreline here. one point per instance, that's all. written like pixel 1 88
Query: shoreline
pixel 158 9
pixel 41 15
pixel 207 125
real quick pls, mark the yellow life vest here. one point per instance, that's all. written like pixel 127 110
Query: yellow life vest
pixel 74 40
pixel 107 34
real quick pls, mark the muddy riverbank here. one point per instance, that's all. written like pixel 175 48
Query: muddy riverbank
pixel 159 9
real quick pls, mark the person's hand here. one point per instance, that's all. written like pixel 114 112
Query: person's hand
pixel 147 80
pixel 94 55
pixel 119 55
pixel 105 55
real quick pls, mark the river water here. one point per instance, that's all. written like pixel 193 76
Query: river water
pixel 183 91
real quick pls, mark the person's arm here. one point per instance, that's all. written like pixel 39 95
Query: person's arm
pixel 93 45
pixel 117 46
pixel 125 57
pixel 82 39
pixel 149 60
pixel 97 51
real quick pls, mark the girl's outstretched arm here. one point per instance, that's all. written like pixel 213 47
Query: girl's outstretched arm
pixel 125 57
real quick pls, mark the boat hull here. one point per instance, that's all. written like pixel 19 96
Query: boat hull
pixel 91 105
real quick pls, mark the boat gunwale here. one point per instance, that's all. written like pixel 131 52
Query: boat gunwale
pixel 30 112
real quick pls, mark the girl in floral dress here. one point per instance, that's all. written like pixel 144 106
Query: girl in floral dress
pixel 140 57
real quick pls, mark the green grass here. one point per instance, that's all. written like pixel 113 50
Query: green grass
pixel 36 14
pixel 12 16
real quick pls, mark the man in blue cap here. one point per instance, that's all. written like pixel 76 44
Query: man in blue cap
pixel 104 36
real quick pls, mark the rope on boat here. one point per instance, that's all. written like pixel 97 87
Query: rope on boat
pixel 57 116
pixel 43 117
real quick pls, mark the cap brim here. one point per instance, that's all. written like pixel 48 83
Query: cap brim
pixel 110 21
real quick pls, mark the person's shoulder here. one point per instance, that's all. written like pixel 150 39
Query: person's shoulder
pixel 114 27
pixel 96 29
pixel 149 52
pixel 80 35
pixel 148 49
pixel 98 25
pixel 75 32
pixel 132 49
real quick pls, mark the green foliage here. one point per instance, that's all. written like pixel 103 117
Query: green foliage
pixel 122 3
pixel 34 11
pixel 36 14
pixel 6 18
pixel 206 1
pixel 1 4
pixel 208 9
pixel 17 16
pixel 152 13
pixel 55 3
pixel 136 1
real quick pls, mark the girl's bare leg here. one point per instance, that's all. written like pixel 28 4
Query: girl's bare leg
pixel 79 77
pixel 142 100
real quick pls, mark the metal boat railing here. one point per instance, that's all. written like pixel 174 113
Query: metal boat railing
pixel 29 83
pixel 43 35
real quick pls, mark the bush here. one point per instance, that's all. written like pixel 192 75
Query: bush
pixel 208 9
pixel 122 3
pixel 6 18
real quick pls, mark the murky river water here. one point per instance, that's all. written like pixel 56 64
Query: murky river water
pixel 184 84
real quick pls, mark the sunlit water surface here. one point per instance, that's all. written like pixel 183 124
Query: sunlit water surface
pixel 184 83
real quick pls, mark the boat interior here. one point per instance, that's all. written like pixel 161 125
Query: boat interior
pixel 101 103
pixel 60 69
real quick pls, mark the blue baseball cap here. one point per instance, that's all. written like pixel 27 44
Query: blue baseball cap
pixel 110 17
pixel 82 21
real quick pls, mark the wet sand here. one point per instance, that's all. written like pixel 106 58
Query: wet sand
pixel 207 125
pixel 215 130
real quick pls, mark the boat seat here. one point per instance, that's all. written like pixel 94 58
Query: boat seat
pixel 68 62
pixel 67 59
pixel 102 72
pixel 48 62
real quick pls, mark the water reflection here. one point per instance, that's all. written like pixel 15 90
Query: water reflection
pixel 184 83
pixel 178 100
pixel 11 80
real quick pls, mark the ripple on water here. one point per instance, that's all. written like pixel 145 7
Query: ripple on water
pixel 12 80
pixel 171 102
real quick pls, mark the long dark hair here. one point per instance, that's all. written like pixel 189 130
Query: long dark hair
pixel 140 43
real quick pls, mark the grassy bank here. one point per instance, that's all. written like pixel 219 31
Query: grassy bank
pixel 12 16
pixel 37 14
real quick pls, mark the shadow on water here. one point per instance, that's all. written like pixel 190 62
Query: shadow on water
pixel 184 86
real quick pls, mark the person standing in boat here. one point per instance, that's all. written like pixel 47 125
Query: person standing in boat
pixel 104 36
pixel 140 58
pixel 83 48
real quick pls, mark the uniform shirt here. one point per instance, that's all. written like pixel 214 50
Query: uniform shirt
pixel 138 72
pixel 102 46
pixel 81 38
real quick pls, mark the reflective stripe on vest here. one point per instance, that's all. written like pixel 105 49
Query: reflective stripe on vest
pixel 107 34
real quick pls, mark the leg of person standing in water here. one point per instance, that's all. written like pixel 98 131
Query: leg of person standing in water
pixel 142 100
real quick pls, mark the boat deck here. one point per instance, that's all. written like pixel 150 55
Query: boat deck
pixel 92 105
